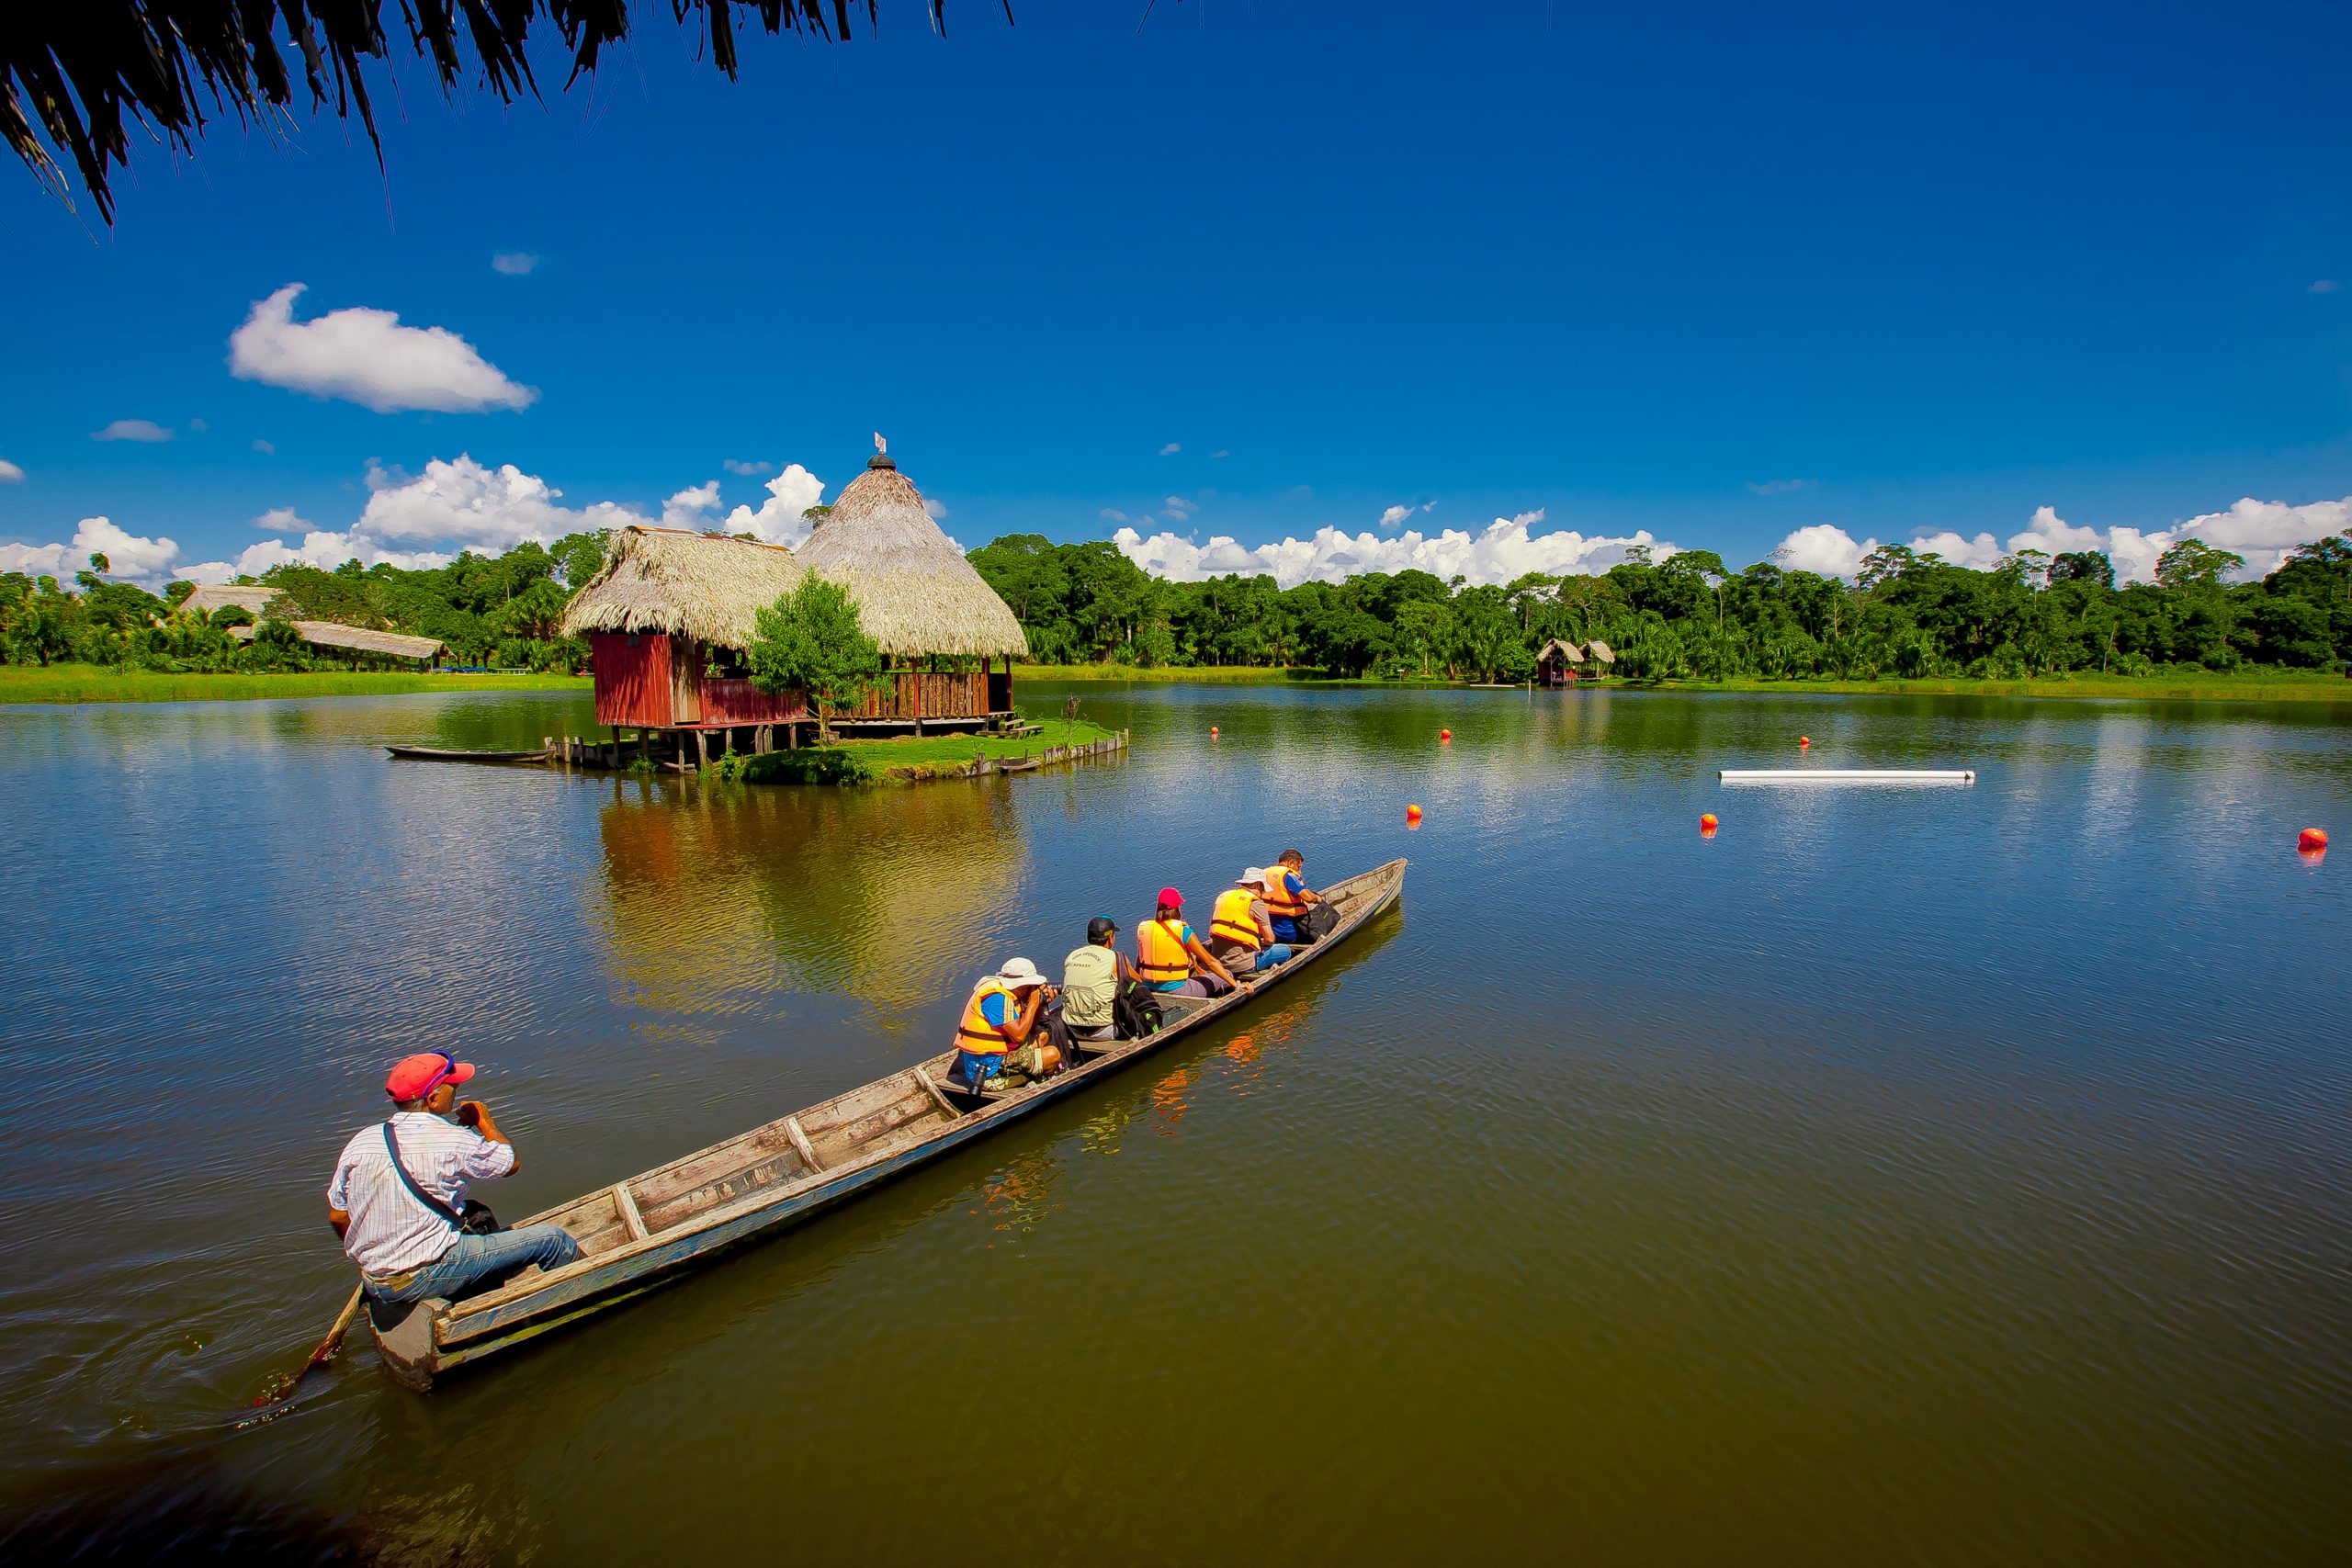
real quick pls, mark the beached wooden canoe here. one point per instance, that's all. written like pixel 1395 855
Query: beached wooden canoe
pixel 639 1233
pixel 444 754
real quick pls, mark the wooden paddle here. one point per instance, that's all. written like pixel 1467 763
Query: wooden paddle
pixel 285 1386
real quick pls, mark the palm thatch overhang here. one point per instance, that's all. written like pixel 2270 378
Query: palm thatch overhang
pixel 710 587
pixel 1564 651
pixel 916 593
pixel 75 71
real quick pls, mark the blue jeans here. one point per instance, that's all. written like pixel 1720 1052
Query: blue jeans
pixel 1269 957
pixel 477 1263
pixel 976 1069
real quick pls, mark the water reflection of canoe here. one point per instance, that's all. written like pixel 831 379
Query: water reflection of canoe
pixel 638 1234
pixel 445 754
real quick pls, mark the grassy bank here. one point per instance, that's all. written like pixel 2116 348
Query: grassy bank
pixel 89 683
pixel 1213 674
pixel 903 760
pixel 2267 686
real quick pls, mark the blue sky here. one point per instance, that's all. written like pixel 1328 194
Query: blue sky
pixel 1731 277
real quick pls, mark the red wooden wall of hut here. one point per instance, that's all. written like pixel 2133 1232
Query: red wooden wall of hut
pixel 739 702
pixel 632 679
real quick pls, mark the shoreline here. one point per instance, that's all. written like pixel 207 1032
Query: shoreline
pixel 78 684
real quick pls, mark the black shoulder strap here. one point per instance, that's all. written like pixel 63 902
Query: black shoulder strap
pixel 393 1147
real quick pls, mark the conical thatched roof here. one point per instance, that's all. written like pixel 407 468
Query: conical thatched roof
pixel 915 593
pixel 709 586
pixel 1569 652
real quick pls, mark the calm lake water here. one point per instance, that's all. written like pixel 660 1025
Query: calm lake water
pixel 1942 1175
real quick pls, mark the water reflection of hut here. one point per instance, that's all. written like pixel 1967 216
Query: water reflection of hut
pixel 668 619
pixel 921 600
pixel 1560 661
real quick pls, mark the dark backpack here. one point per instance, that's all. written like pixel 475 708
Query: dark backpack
pixel 1135 1009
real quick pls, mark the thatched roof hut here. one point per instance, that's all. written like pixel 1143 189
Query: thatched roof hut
pixel 915 591
pixel 710 587
pixel 1560 650
pixel 211 597
pixel 356 639
pixel 1603 651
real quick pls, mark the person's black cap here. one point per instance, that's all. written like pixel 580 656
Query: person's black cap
pixel 1100 927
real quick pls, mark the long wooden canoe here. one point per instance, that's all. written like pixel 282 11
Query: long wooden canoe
pixel 637 1234
pixel 447 754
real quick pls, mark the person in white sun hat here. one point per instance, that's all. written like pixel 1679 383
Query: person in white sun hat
pixel 1241 933
pixel 996 1020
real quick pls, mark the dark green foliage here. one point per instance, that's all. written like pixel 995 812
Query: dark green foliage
pixel 1909 616
pixel 812 639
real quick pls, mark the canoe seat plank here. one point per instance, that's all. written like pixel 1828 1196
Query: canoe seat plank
pixel 800 1145
pixel 629 1216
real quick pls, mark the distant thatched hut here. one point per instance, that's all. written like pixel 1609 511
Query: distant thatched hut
pixel 357 643
pixel 211 597
pixel 668 619
pixel 921 600
pixel 1557 661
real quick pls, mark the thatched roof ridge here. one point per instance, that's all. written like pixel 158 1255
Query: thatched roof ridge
pixel 1567 650
pixel 709 586
pixel 211 597
pixel 1603 651
pixel 915 591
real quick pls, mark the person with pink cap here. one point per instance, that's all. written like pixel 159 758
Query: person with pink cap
pixel 398 1200
pixel 1169 957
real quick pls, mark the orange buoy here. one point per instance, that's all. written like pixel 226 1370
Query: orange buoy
pixel 2312 838
pixel 1707 824
pixel 1212 732
pixel 1445 736
pixel 1413 816
pixel 1805 741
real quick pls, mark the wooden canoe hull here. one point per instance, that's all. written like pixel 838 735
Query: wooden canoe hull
pixel 445 754
pixel 764 1181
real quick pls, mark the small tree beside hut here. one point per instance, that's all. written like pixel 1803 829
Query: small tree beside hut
pixel 813 640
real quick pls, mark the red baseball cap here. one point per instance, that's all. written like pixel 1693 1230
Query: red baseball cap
pixel 1170 899
pixel 413 1078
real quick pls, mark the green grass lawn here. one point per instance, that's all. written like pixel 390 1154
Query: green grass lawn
pixel 906 759
pixel 90 684
pixel 2263 687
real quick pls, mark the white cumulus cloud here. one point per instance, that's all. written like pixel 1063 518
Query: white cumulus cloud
pixel 365 357
pixel 283 520
pixel 134 556
pixel 9 473
pixel 749 469
pixel 266 448
pixel 513 263
pixel 472 506
pixel 1171 449
pixel 2264 532
pixel 1395 516
pixel 132 429
pixel 778 519
pixel 935 508
pixel 1506 548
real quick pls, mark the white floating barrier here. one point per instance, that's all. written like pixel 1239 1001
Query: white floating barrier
pixel 1845 775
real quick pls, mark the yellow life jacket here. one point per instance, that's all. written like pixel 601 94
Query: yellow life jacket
pixel 1281 902
pixel 976 1034
pixel 1233 922
pixel 1160 952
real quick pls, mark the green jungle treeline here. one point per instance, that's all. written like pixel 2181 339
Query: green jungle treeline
pixel 490 610
pixel 1905 616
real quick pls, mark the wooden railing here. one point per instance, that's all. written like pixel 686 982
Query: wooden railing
pixel 908 695
pixel 739 702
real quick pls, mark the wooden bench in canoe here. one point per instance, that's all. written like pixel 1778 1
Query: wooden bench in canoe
pixel 638 1234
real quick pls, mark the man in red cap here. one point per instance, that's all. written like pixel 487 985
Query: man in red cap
pixel 1168 957
pixel 397 1199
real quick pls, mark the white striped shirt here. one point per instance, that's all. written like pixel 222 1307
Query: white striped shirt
pixel 391 1232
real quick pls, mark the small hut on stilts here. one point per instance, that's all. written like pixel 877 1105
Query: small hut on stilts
pixel 1558 661
pixel 668 619
pixel 938 622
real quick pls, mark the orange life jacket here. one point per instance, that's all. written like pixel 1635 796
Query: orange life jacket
pixel 1160 952
pixel 1281 902
pixel 1233 922
pixel 976 1034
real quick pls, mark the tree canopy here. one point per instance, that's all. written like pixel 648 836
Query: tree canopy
pixel 83 67
pixel 813 640
pixel 1907 615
